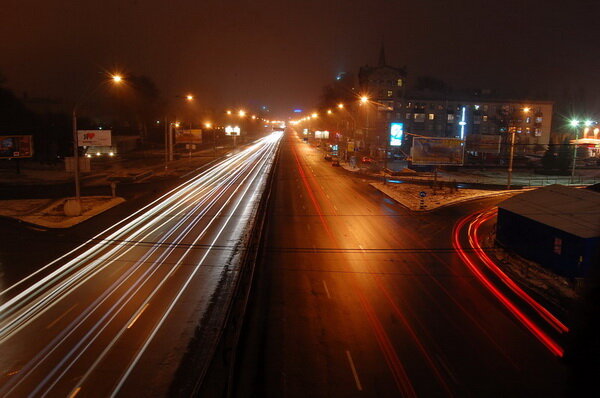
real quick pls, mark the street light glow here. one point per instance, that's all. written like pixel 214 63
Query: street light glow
pixel 229 112
pixel 526 109
pixel 364 99
pixel 208 125
pixel 340 106
pixel 329 111
pixel 588 123
pixel 574 123
pixel 189 97
pixel 242 113
pixel 314 115
pixel 117 78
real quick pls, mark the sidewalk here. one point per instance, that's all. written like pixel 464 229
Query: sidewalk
pixel 49 213
pixel 408 195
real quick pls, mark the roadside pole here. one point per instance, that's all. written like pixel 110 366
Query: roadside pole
pixel 510 159
pixel 170 142
pixel 166 144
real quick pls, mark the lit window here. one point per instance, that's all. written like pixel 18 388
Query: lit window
pixel 419 117
pixel 476 107
pixel 399 82
pixel 485 118
pixel 528 120
pixel 538 119
pixel 538 132
pixel 558 246
pixel 450 117
pixel 390 93
pixel 408 116
pixel 431 116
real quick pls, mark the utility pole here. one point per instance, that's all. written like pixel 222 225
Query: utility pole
pixel 510 159
pixel 76 160
pixel 574 154
pixel 166 143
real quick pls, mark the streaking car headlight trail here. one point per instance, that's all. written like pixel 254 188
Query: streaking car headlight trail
pixel 126 282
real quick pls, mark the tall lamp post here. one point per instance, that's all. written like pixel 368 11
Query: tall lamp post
pixel 169 132
pixel 512 151
pixel 576 124
pixel 73 208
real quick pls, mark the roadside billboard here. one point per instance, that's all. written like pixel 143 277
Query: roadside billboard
pixel 191 136
pixel 484 143
pixel 396 134
pixel 16 146
pixel 437 151
pixel 229 130
pixel 94 138
pixel 324 135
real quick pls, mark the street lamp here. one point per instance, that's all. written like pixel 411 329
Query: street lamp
pixel 512 151
pixel 575 124
pixel 75 206
pixel 340 106
pixel 242 113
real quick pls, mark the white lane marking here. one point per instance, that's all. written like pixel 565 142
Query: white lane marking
pixel 362 248
pixel 354 373
pixel 54 322
pixel 326 289
pixel 138 315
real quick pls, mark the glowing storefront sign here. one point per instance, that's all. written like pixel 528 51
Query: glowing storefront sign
pixel 396 134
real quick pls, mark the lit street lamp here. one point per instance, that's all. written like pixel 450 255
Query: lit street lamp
pixel 74 208
pixel 512 152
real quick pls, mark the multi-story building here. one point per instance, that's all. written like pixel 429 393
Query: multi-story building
pixel 484 123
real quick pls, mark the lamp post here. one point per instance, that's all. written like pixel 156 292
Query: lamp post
pixel 74 208
pixel 512 151
pixel 169 132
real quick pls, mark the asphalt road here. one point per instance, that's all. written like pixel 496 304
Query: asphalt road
pixel 113 316
pixel 357 296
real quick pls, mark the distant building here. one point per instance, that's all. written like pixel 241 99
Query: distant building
pixel 486 124
pixel 555 226
pixel 481 118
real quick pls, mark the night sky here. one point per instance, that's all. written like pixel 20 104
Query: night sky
pixel 281 52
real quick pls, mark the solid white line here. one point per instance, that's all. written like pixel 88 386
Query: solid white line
pixel 354 373
pixel 326 290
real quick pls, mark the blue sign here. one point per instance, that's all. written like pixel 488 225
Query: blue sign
pixel 297 110
pixel 396 134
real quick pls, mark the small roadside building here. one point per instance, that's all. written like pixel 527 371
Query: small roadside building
pixel 556 226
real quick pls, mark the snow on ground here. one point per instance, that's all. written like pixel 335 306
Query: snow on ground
pixel 407 194
pixel 49 212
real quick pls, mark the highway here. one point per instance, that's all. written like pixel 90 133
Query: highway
pixel 113 316
pixel 357 296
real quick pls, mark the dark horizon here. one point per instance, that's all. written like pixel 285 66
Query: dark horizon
pixel 281 54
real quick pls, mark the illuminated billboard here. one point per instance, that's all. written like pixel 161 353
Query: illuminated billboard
pixel 229 130
pixel 94 138
pixel 324 135
pixel 437 151
pixel 396 134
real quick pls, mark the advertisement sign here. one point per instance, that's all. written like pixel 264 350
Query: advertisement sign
pixel 191 136
pixel 484 143
pixel 229 130
pixel 437 151
pixel 396 134
pixel 16 146
pixel 93 138
pixel 324 135
pixel 350 146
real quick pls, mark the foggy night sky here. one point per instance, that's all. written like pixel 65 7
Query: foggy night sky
pixel 280 53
